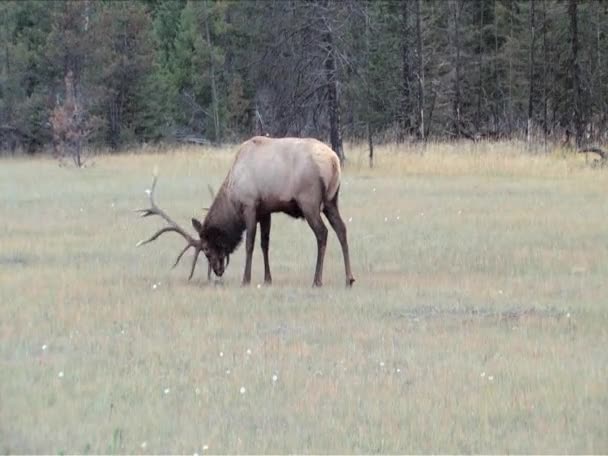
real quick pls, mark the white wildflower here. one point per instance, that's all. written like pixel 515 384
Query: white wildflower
pixel 45 346
pixel 60 374
pixel 274 378
pixel 221 354
pixel 243 390
pixel 144 445
pixel 205 447
pixel 249 351
pixel 483 374
pixel 167 390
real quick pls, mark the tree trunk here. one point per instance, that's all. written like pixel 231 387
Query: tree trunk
pixel 479 66
pixel 370 144
pixel 496 95
pixel 574 68
pixel 599 96
pixel 5 114
pixel 420 65
pixel 333 101
pixel 405 74
pixel 510 102
pixel 531 74
pixel 214 100
pixel 114 127
pixel 456 101
pixel 545 119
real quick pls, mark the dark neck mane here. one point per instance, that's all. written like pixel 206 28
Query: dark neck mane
pixel 223 226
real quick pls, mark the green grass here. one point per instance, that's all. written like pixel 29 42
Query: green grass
pixel 478 322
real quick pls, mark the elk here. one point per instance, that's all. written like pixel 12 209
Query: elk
pixel 296 176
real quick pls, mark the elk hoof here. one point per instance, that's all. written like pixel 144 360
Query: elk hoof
pixel 268 281
pixel 317 284
pixel 350 281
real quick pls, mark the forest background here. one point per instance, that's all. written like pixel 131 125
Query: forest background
pixel 112 74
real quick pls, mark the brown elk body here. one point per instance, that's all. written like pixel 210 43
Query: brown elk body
pixel 297 176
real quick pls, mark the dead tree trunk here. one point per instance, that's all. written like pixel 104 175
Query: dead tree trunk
pixel 545 119
pixel 478 115
pixel 420 65
pixel 574 68
pixel 370 144
pixel 510 102
pixel 531 74
pixel 333 101
pixel 214 100
pixel 405 73
pixel 455 6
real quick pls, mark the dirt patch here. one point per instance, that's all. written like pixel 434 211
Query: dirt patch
pixel 432 312
pixel 13 260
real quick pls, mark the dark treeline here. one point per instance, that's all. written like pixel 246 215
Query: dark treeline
pixel 111 73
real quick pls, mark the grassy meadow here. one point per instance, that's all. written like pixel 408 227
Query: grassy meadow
pixel 478 322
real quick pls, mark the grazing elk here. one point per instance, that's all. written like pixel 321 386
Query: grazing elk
pixel 296 176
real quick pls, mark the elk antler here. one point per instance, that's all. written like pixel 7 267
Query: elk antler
pixel 155 210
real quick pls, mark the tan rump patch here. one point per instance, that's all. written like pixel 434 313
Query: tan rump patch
pixel 329 169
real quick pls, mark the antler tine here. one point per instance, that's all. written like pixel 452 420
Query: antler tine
pixel 196 252
pixel 173 227
pixel 166 229
pixel 181 254
pixel 155 210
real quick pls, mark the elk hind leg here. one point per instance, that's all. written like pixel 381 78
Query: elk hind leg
pixel 335 219
pixel 318 227
pixel 265 241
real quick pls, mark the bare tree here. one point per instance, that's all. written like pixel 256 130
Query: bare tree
pixel 420 69
pixel 455 14
pixel 531 73
pixel 406 76
pixel 71 126
pixel 214 100
pixel 575 71
pixel 333 94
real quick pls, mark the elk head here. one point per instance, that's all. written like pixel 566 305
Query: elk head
pixel 217 261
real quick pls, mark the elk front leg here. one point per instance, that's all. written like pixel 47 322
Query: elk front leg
pixel 318 227
pixel 265 240
pixel 250 223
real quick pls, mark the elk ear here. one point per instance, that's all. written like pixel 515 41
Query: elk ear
pixel 197 225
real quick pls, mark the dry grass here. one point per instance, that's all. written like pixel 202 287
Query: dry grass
pixel 477 322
